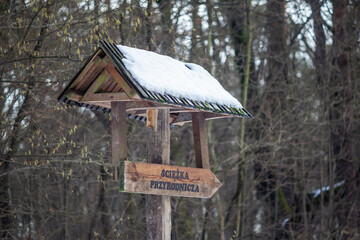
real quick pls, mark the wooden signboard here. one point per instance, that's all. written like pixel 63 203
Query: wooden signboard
pixel 159 179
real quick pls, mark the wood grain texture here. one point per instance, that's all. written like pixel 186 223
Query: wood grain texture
pixel 155 230
pixel 166 217
pixel 120 80
pixel 89 67
pixel 87 75
pixel 158 140
pixel 107 97
pixel 74 95
pixel 151 120
pixel 100 104
pixel 118 132
pixel 200 140
pixel 158 179
pixel 104 75
pixel 158 208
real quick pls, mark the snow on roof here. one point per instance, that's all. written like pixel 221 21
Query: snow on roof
pixel 163 74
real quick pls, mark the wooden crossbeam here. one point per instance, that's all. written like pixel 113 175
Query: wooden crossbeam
pixel 74 95
pixel 182 117
pixel 139 107
pixel 146 104
pixel 179 110
pixel 108 97
pixel 143 113
pixel 212 116
pixel 100 104
pixel 142 105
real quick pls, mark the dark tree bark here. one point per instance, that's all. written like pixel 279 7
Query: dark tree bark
pixel 238 17
pixel 320 41
pixel 197 48
pixel 277 54
pixel 148 28
pixel 167 46
pixel 13 141
pixel 273 107
pixel 341 117
pixel 237 24
pixel 321 81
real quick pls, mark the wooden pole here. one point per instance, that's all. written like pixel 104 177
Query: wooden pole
pixel 158 208
pixel 200 140
pixel 118 132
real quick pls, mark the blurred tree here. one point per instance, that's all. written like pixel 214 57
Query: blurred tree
pixel 282 178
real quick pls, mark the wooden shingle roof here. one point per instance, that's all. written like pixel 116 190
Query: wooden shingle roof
pixel 105 78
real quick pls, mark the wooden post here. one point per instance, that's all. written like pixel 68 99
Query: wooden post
pixel 158 208
pixel 118 132
pixel 200 140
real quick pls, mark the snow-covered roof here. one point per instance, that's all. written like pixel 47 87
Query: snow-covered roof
pixel 148 80
pixel 166 79
pixel 166 75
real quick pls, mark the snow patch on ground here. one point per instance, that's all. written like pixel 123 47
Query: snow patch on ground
pixel 163 74
pixel 317 192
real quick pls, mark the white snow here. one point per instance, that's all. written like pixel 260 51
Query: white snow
pixel 286 220
pixel 163 74
pixel 317 192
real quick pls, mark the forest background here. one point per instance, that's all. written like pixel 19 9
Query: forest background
pixel 291 173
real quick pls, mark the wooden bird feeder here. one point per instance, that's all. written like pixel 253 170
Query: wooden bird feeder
pixel 105 83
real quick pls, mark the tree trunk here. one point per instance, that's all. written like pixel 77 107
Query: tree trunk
pixel 149 40
pixel 321 81
pixel 341 117
pixel 197 48
pixel 275 107
pixel 6 155
pixel 167 46
pixel 238 32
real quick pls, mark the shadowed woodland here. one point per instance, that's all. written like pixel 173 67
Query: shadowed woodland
pixel 290 173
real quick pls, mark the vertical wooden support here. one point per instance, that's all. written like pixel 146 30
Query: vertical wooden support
pixel 200 140
pixel 118 132
pixel 158 208
pixel 151 120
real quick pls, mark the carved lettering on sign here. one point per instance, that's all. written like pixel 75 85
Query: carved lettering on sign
pixel 169 180
pixel 174 174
